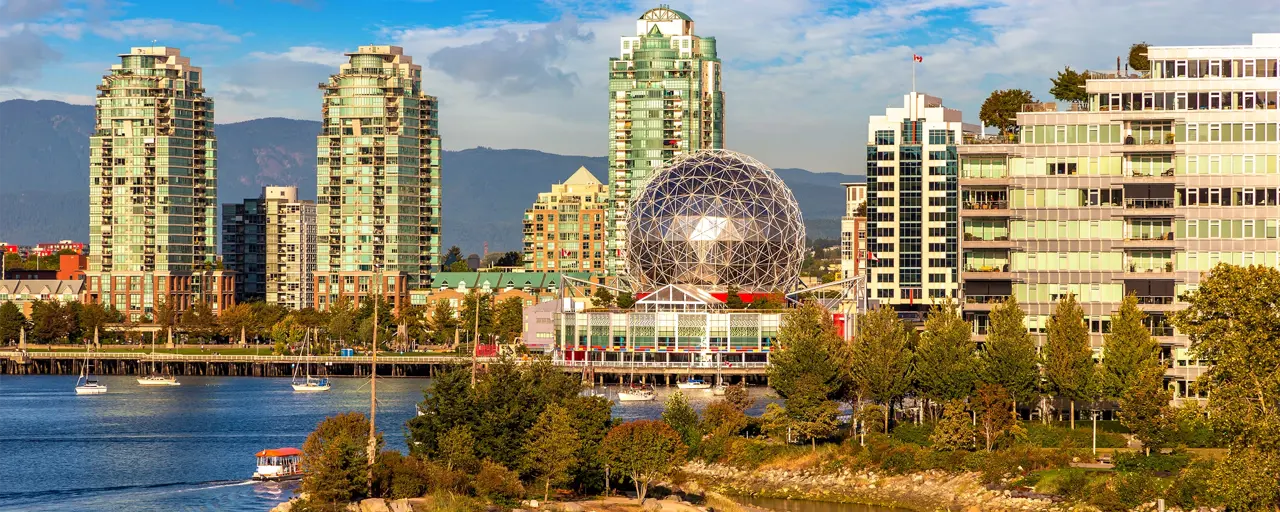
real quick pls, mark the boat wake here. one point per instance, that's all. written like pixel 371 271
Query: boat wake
pixel 61 498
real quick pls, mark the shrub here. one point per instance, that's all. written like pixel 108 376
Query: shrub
pixel 397 476
pixel 1069 483
pixel 1048 436
pixel 899 460
pixel 1190 488
pixel 1155 463
pixel 497 483
pixel 914 434
pixel 441 479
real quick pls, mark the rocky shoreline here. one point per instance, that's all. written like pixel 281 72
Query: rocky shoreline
pixel 924 492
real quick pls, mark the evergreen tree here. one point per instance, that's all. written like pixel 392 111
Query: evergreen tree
pixel 602 297
pixel 510 320
pixel 1068 358
pixel 1069 86
pixel 592 419
pixel 442 322
pixel 551 448
pixel 452 256
pixel 12 322
pixel 683 419
pixel 808 355
pixel 458 448
pixel 945 366
pixel 881 358
pixel 1009 355
pixel 336 458
pixel 625 300
pixel 1127 349
pixel 732 298
pixel 1146 411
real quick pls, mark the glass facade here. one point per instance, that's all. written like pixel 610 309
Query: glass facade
pixel 664 100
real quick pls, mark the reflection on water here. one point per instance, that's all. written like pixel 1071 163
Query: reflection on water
pixel 187 447
pixel 779 505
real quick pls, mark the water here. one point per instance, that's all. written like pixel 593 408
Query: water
pixel 779 505
pixel 188 447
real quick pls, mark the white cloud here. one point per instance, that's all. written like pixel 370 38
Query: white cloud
pixel 162 30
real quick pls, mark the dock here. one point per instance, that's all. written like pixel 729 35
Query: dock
pixel 68 362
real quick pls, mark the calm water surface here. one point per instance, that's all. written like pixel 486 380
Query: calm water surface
pixel 188 447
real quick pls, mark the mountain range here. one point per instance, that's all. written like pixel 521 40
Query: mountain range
pixel 44 184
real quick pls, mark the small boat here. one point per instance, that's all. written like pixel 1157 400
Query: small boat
pixel 694 384
pixel 637 394
pixel 719 389
pixel 154 378
pixel 278 464
pixel 87 384
pixel 308 383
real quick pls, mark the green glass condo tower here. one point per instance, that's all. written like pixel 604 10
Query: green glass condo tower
pixel 377 180
pixel 664 100
pixel 153 188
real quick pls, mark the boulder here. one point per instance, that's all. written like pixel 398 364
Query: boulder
pixel 672 498
pixel 570 507
pixel 401 505
pixel 283 507
pixel 650 505
pixel 374 505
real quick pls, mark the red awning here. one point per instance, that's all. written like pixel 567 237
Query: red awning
pixel 279 452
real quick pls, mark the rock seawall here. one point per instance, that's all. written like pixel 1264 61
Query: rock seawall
pixel 925 492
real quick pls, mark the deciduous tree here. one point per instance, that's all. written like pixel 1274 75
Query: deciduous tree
pixel 509 323
pixel 995 412
pixel 442 322
pixel 1001 109
pixel 336 459
pixel 945 365
pixel 1146 411
pixel 1068 358
pixel 11 322
pixel 199 322
pixel 602 298
pixel 808 355
pixel 458 448
pixel 880 366
pixel 1009 355
pixel 551 448
pixel 1138 57
pixel 683 419
pixel 644 451
pixel 1069 86
pixel 955 430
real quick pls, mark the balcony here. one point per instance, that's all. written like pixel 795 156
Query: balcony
pixel 1152 145
pixel 1148 207
pixel 997 272
pixel 982 302
pixel 988 208
pixel 1154 240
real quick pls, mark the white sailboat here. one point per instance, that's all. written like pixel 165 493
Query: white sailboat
pixel 693 383
pixel 637 394
pixel 309 383
pixel 154 378
pixel 87 384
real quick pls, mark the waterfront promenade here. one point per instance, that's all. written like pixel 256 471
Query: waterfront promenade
pixel 224 360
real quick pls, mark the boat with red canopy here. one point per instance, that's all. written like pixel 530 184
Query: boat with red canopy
pixel 278 464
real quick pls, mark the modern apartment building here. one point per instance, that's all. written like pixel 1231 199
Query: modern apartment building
pixel 270 241
pixel 377 179
pixel 664 100
pixel 153 185
pixel 853 231
pixel 912 225
pixel 564 230
pixel 244 247
pixel 1158 178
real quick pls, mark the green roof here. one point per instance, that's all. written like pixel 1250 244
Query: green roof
pixel 501 280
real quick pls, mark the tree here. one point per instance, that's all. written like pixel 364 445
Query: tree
pixel 442 322
pixel 336 459
pixel 1127 349
pixel 551 448
pixel 92 318
pixel 412 321
pixel 1069 86
pixel 458 448
pixel 683 419
pixel 1146 411
pixel 1246 479
pixel 808 355
pixel 1231 320
pixel 995 412
pixel 453 255
pixel 199 322
pixel 625 300
pixel 881 358
pixel 467 316
pixel 812 416
pixel 945 368
pixel 592 419
pixel 458 266
pixel 12 322
pixel 237 320
pixel 1138 57
pixel 511 259
pixel 602 297
pixel 737 397
pixel 164 313
pixel 733 300
pixel 955 430
pixel 288 334
pixel 51 321
pixel 1002 107
pixel 510 320
pixel 643 451
pixel 1009 355
pixel 1068 358
pixel 342 320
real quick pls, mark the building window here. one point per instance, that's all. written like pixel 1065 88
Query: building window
pixel 941 137
pixel 884 137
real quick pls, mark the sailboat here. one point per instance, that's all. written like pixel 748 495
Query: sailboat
pixel 693 383
pixel 309 383
pixel 87 384
pixel 720 385
pixel 154 378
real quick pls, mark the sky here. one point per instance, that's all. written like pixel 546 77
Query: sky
pixel 800 76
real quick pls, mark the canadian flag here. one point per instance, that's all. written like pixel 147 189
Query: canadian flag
pixel 872 256
pixel 917 58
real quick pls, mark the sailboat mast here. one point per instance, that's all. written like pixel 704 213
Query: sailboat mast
pixel 373 383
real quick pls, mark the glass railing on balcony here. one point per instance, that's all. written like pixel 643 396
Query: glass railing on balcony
pixel 984 299
pixel 1155 299
pixel 1151 173
pixel 986 205
pixel 1168 235
pixel 1162 330
pixel 988 267
pixel 973 237
pixel 1146 267
pixel 1144 203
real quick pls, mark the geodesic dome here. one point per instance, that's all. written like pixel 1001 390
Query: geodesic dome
pixel 715 218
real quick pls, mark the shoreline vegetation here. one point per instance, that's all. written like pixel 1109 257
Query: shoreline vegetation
pixel 937 422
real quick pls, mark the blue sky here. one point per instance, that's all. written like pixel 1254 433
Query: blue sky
pixel 801 76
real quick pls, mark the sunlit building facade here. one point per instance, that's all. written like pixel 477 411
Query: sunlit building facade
pixel 1158 178
pixel 564 230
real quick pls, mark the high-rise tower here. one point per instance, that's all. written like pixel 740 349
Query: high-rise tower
pixel 378 179
pixel 153 185
pixel 664 100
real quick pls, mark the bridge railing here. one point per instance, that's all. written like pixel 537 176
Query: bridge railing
pixel 659 364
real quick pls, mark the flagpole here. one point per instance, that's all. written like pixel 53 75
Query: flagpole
pixel 913 73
